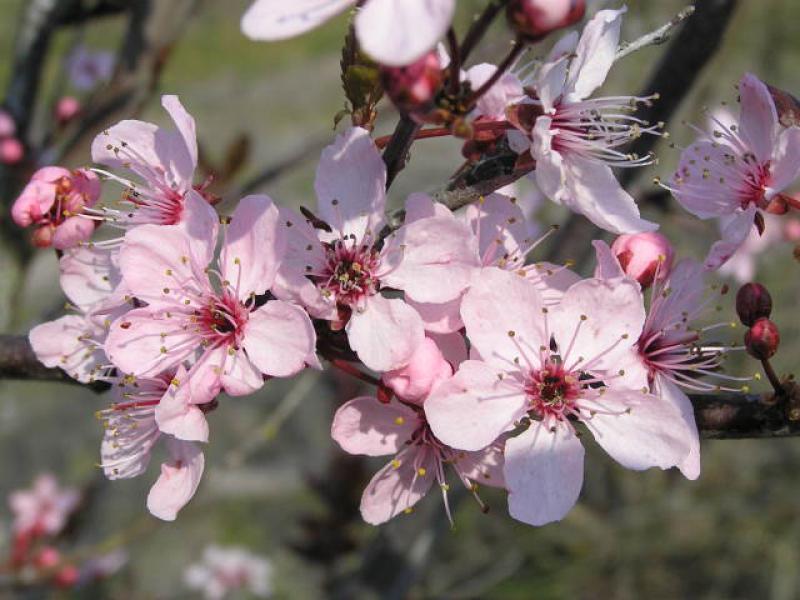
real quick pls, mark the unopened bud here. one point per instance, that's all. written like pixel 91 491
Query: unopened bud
pixel 644 256
pixel 413 88
pixel 534 19
pixel 762 339
pixel 414 382
pixel 752 303
pixel 67 108
pixel 11 151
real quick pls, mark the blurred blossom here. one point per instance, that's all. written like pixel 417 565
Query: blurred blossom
pixel 67 108
pixel 44 508
pixel 7 126
pixel 88 67
pixel 11 151
pixel 225 570
pixel 743 265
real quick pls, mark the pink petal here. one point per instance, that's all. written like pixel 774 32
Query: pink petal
pixel 704 196
pixel 733 236
pixel 177 415
pixel 72 232
pixel 595 193
pixel 638 430
pixel 63 343
pixel 785 161
pixel 398 32
pixel 254 245
pixel 271 20
pixel 200 223
pixel 439 258
pixel 439 318
pixel 421 206
pixel 552 76
pixel 508 90
pixel 598 321
pixel 35 201
pixel 668 392
pixel 136 346
pixel 500 226
pixel 453 347
pixel 89 275
pixel 503 316
pixel 364 425
pixel 608 266
pixel 484 467
pixel 758 118
pixel 279 339
pixel 414 381
pixel 398 486
pixel 544 473
pixel 240 377
pixel 351 185
pixel 385 334
pixel 178 480
pixel 595 54
pixel 183 146
pixel 205 376
pixel 473 408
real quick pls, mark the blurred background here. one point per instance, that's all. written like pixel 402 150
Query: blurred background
pixel 275 482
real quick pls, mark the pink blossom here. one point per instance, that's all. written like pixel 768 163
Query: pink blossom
pixel 43 509
pixel 228 570
pixel 367 426
pixel 55 201
pixel 11 151
pixel 87 68
pixel 738 168
pixel 507 91
pixel 414 381
pixel 393 32
pixel 548 369
pixel 132 429
pixel 577 140
pixel 339 271
pixel 237 334
pixel 7 125
pixel 499 237
pixel 67 108
pixel 162 160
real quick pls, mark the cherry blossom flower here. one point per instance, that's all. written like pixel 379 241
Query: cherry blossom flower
pixel 162 160
pixel 367 426
pixel 44 508
pixel 547 369
pixel 339 271
pixel 54 202
pixel 393 32
pixel 87 68
pixel 738 169
pixel 500 237
pixel 226 570
pixel 147 410
pixel 236 333
pixel 577 139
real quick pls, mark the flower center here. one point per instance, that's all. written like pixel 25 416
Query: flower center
pixel 552 391
pixel 349 272
pixel 222 320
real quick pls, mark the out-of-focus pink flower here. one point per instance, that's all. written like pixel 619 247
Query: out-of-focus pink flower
pixel 393 32
pixel 742 266
pixel 55 201
pixel 578 139
pixel 44 508
pixel 164 160
pixel 11 151
pixel 338 271
pixel 87 68
pixel 66 577
pixel 228 570
pixel 546 368
pixel 413 88
pixel 738 169
pixel 236 335
pixel 367 426
pixel 644 256
pixel 7 126
pixel 536 18
pixel 67 108
pixel 101 567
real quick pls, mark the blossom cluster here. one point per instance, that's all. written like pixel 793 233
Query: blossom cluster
pixel 490 365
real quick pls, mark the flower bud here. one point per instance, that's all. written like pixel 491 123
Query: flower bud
pixel 11 151
pixel 47 558
pixel 413 88
pixel 762 339
pixel 534 19
pixel 643 256
pixel 752 303
pixel 414 382
pixel 66 577
pixel 67 108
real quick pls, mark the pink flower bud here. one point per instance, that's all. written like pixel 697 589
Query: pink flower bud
pixel 11 151
pixel 644 255
pixel 48 557
pixel 534 19
pixel 752 303
pixel 7 126
pixel 66 577
pixel 67 108
pixel 762 339
pixel 414 382
pixel 413 88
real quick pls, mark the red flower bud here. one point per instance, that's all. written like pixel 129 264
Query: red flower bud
pixel 413 88
pixel 534 19
pixel 643 256
pixel 66 577
pixel 762 339
pixel 752 303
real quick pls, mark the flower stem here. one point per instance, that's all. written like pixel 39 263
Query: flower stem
pixel 773 378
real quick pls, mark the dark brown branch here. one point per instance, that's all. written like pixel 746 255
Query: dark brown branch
pixel 396 153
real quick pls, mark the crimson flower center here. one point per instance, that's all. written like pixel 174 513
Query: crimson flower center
pixel 349 272
pixel 552 391
pixel 222 320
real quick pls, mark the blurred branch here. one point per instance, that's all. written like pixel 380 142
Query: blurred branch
pixel 734 416
pixel 659 36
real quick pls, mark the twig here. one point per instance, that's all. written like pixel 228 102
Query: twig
pixel 397 149
pixel 659 36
